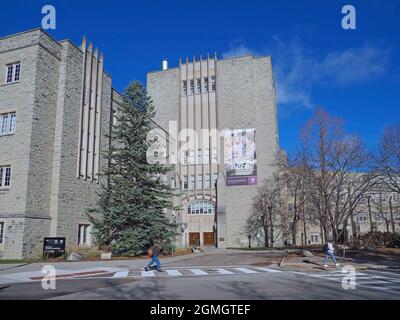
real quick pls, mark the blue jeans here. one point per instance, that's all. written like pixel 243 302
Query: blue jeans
pixel 329 254
pixel 156 261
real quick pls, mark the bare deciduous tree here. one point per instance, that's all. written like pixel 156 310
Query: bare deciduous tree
pixel 337 169
pixel 267 208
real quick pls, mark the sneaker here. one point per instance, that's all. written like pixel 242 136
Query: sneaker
pixel 159 270
pixel 325 265
pixel 337 264
pixel 146 269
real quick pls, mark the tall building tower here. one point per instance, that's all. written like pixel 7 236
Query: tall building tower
pixel 56 103
pixel 222 115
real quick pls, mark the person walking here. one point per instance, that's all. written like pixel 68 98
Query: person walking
pixel 154 252
pixel 329 252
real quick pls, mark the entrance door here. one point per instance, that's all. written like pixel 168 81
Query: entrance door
pixel 208 238
pixel 194 239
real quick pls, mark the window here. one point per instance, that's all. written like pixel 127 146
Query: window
pixel 201 207
pixel 191 182
pixel 205 84
pixel 199 156
pixel 5 177
pixel 214 155
pixel 198 85
pixel 314 238
pixel 191 86
pixel 7 123
pixel 199 182
pixel 290 207
pixel 212 83
pixel 362 217
pixel 1 232
pixel 208 178
pixel 184 87
pixel 13 72
pixel 185 182
pixel 84 235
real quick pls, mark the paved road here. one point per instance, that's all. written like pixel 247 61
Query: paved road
pixel 216 282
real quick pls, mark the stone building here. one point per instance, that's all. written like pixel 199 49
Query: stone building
pixel 55 108
pixel 222 114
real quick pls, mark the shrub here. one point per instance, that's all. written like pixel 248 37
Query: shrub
pixel 377 239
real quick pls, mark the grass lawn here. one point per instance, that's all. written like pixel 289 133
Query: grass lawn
pixel 12 261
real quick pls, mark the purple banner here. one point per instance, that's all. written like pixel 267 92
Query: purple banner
pixel 242 181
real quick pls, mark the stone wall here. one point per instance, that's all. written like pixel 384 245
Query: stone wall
pixel 245 99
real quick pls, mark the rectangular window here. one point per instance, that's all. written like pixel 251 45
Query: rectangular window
pixel 200 182
pixel 84 235
pixel 314 238
pixel 212 83
pixel 191 86
pixel 199 156
pixel 205 84
pixel 362 217
pixel 1 232
pixel 5 177
pixel 208 178
pixel 185 182
pixel 192 181
pixel 290 207
pixel 184 87
pixel 13 72
pixel 214 155
pixel 7 123
pixel 17 71
pixel 198 85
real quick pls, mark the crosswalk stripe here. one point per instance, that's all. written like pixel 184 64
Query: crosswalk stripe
pixel 267 269
pixel 245 270
pixel 173 273
pixel 198 272
pixel 121 274
pixel 148 274
pixel 223 271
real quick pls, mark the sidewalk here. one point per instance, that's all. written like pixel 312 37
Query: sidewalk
pixel 79 265
pixel 315 263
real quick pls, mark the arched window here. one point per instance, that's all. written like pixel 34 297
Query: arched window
pixel 201 207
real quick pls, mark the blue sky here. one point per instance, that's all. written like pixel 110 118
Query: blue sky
pixel 354 74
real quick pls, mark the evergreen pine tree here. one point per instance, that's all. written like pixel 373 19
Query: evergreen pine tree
pixel 131 209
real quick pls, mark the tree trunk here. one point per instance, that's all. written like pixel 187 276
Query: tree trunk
pixel 391 215
pixel 304 229
pixel 272 236
pixel 370 214
pixel 353 225
pixel 266 236
pixel 294 232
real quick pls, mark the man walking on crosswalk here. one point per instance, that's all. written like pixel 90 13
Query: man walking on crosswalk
pixel 329 252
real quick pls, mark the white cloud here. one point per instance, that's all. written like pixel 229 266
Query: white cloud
pixel 239 49
pixel 299 71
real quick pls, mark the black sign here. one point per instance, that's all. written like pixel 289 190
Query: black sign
pixel 54 246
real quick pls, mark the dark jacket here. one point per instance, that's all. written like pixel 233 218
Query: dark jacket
pixel 156 251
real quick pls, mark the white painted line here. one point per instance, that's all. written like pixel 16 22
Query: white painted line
pixel 174 273
pixel 223 271
pixel 245 270
pixel 267 269
pixel 198 272
pixel 121 274
pixel 148 274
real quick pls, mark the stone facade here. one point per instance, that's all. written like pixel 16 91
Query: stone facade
pixel 243 98
pixel 45 197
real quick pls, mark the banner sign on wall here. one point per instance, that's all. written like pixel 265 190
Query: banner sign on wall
pixel 240 157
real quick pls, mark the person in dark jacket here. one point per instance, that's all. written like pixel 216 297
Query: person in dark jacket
pixel 155 252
